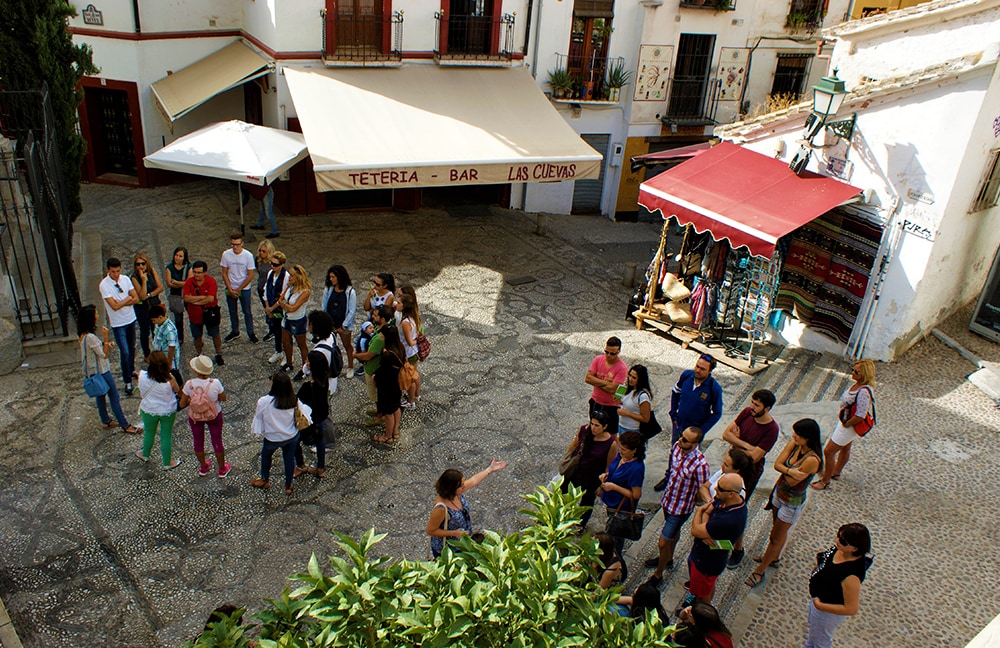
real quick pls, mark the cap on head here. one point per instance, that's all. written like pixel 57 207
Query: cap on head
pixel 202 364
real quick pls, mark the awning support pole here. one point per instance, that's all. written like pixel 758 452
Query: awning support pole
pixel 647 306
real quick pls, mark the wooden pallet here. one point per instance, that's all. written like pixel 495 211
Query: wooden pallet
pixel 690 338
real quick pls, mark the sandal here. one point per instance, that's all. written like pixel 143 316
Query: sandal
pixel 754 579
pixel 298 472
pixel 131 430
pixel 109 425
pixel 820 485
pixel 288 490
pixel 319 472
pixel 260 483
pixel 775 563
pixel 381 439
pixel 837 476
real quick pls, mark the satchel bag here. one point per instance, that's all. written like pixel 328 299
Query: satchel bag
pixel 651 428
pixel 570 463
pixel 407 374
pixel 95 385
pixel 176 304
pixel 301 420
pixel 627 524
pixel 211 316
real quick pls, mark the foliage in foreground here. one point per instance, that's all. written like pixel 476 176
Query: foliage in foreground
pixel 532 588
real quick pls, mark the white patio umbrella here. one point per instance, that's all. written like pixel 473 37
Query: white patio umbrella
pixel 232 150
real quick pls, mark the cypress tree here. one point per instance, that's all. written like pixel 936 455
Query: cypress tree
pixel 36 47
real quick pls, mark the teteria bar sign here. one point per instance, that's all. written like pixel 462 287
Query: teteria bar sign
pixel 91 16
pixel 433 176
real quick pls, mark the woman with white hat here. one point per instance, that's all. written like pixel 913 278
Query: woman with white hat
pixel 203 395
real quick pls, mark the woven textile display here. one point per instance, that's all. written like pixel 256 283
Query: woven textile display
pixel 826 272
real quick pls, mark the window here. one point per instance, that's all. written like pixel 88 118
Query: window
pixel 690 83
pixel 359 30
pixel 989 192
pixel 587 60
pixel 790 75
pixel 805 13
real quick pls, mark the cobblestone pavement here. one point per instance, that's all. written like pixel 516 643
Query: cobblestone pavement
pixel 101 549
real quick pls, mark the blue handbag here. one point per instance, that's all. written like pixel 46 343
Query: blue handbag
pixel 94 385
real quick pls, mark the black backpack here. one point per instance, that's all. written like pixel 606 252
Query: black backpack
pixel 336 359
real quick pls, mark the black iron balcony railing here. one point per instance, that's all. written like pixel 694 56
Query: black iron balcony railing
pixel 718 5
pixel 692 100
pixel 362 38
pixel 588 76
pixel 474 38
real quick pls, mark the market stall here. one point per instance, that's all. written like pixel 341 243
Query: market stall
pixel 757 242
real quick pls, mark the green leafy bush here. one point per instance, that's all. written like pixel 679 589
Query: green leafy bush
pixel 532 588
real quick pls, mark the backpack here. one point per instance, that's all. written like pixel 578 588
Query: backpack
pixel 202 408
pixel 336 359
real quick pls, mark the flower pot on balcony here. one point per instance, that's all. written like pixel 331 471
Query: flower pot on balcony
pixel 614 94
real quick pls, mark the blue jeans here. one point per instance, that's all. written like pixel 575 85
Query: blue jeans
pixel 287 456
pixel 267 211
pixel 116 404
pixel 822 625
pixel 234 320
pixel 125 341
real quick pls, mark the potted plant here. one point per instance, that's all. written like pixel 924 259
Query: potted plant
pixel 561 81
pixel 617 78
pixel 723 5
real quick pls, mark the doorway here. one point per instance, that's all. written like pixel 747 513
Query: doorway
pixel 109 122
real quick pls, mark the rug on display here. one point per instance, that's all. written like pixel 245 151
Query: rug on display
pixel 826 272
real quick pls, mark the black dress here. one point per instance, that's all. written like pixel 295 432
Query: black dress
pixel 387 384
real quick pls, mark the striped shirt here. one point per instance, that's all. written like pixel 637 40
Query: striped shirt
pixel 687 473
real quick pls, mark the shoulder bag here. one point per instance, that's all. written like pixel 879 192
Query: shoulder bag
pixel 626 524
pixel 301 420
pixel 95 385
pixel 423 346
pixel 570 463
pixel 865 425
pixel 652 427
pixel 407 374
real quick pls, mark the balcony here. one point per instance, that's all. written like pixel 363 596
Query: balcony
pixel 588 79
pixel 473 40
pixel 805 15
pixel 717 5
pixel 693 101
pixel 352 40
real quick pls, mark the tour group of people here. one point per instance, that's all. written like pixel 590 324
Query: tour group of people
pixel 152 305
pixel 608 463
pixel 605 457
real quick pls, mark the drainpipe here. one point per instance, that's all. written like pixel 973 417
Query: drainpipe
pixel 527 28
pixel 894 235
pixel 135 15
pixel 538 33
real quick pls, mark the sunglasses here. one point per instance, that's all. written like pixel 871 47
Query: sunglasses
pixel 140 264
pixel 275 264
pixel 119 288
pixel 610 353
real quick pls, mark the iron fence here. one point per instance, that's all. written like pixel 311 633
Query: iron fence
pixel 362 37
pixel 467 37
pixel 589 75
pixel 36 229
pixel 693 99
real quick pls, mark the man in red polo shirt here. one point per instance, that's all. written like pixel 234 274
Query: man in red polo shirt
pixel 200 292
pixel 607 373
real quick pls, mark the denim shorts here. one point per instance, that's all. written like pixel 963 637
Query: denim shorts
pixel 294 326
pixel 672 527
pixel 787 512
pixel 197 329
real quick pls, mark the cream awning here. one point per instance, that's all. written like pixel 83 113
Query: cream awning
pixel 423 126
pixel 181 92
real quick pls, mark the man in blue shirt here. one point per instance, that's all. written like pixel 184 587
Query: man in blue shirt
pixel 696 401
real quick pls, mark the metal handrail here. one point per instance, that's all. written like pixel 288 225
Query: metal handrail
pixel 362 37
pixel 465 37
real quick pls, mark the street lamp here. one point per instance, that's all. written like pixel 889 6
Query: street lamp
pixel 828 96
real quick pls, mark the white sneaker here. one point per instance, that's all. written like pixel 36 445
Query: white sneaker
pixel 277 356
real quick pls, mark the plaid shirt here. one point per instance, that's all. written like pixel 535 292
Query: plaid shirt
pixel 687 473
pixel 164 337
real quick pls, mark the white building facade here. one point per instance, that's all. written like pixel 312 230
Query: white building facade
pixel 692 64
pixel 925 86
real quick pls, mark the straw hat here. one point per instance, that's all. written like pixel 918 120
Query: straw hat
pixel 202 364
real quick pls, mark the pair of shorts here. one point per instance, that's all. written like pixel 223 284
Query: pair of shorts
pixel 372 390
pixel 672 526
pixel 294 326
pixel 789 513
pixel 843 436
pixel 198 329
pixel 701 585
